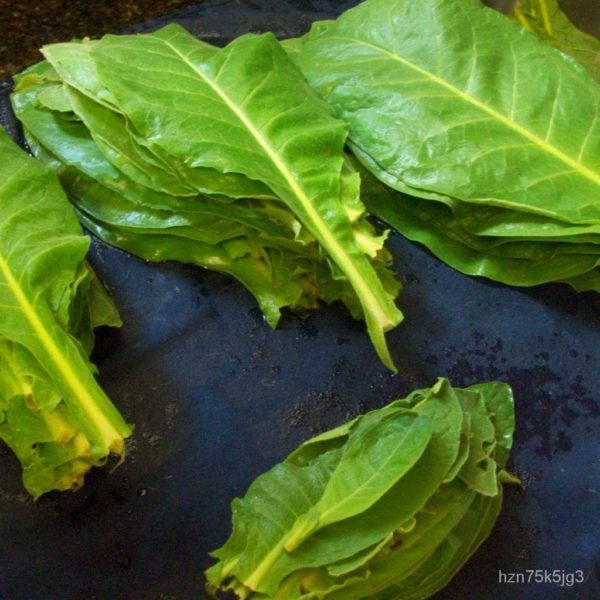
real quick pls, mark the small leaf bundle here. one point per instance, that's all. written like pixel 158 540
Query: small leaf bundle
pixel 53 414
pixel 389 505
pixel 493 134
pixel 173 149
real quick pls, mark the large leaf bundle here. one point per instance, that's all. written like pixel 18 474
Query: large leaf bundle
pixel 53 414
pixel 389 505
pixel 173 149
pixel 494 134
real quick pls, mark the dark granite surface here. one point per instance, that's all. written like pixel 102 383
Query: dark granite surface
pixel 26 25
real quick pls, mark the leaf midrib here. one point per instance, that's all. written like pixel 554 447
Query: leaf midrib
pixel 510 123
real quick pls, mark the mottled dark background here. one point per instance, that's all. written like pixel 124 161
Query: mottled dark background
pixel 25 25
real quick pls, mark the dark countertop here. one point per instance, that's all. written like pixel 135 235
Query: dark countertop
pixel 25 25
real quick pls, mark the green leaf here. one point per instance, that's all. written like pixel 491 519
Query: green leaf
pixel 248 110
pixel 463 449
pixel 72 144
pixel 479 470
pixel 472 125
pixel 436 572
pixel 589 281
pixel 436 522
pixel 117 138
pixel 253 241
pixel 399 211
pixel 266 249
pixel 53 414
pixel 384 533
pixel 394 509
pixel 130 155
pixel 499 403
pixel 372 462
pixel 275 281
pixel 90 307
pixel 291 491
pixel 345 566
pixel 107 138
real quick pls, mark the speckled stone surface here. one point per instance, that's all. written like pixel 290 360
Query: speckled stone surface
pixel 26 25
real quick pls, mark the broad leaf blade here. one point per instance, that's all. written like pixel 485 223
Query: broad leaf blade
pixel 473 125
pixel 372 462
pixel 119 141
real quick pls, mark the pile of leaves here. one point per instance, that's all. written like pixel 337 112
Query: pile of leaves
pixel 173 149
pixel 487 138
pixel 475 134
pixel 53 414
pixel 389 505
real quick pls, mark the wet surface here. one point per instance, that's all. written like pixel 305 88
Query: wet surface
pixel 217 398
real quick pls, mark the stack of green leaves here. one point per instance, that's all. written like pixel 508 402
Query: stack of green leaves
pixel 389 505
pixel 53 414
pixel 173 149
pixel 493 134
